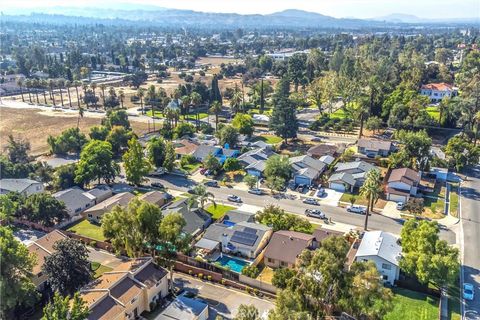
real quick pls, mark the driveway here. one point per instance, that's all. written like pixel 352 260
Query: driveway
pixel 103 257
pixel 222 301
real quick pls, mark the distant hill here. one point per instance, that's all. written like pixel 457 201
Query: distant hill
pixel 400 18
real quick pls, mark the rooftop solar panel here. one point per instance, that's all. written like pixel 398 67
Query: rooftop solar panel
pixel 250 230
pixel 247 239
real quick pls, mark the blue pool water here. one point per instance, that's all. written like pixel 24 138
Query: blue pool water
pixel 233 263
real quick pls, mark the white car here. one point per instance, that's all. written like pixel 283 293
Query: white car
pixel 310 201
pixel 468 291
pixel 315 213
pixel 258 192
pixel 400 205
pixel 234 198
pixel 357 209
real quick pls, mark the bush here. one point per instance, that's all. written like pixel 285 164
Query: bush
pixel 93 244
pixel 250 271
pixel 187 159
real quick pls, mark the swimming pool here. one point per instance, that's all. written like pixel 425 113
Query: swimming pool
pixel 233 263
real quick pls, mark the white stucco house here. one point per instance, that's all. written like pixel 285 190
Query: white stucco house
pixel 383 249
pixel 437 91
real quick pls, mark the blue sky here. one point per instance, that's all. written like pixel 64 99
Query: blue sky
pixel 336 8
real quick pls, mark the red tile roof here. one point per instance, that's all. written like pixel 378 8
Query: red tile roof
pixel 442 86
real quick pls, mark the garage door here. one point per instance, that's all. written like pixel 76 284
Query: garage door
pixel 302 180
pixel 396 198
pixel 337 186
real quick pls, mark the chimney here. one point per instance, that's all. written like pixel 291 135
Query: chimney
pixel 224 241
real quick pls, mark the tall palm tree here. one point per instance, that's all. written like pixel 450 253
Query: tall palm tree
pixel 61 84
pixel 140 95
pixel 236 102
pixel 28 85
pixel 196 99
pixel 76 84
pixel 201 195
pixel 80 115
pixel 362 113
pixel 121 96
pixel 20 84
pixel 216 108
pixel 68 84
pixel 371 190
pixel 36 86
pixel 44 86
pixel 185 105
pixel 103 86
pixel 94 86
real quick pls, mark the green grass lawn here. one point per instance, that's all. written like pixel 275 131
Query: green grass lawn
pixel 409 304
pixel 454 302
pixel 339 114
pixel 158 114
pixel 99 269
pixel 201 115
pixel 453 201
pixel 88 229
pixel 219 211
pixel 191 167
pixel 270 139
pixel 359 200
pixel 434 113
pixel 435 205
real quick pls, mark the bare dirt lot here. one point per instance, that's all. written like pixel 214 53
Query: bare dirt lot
pixel 35 127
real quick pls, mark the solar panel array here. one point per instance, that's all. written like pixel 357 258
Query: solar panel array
pixel 245 238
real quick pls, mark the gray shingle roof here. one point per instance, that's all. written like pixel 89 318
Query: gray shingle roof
pixel 196 218
pixel 343 177
pixel 374 144
pixel 16 185
pixel 74 198
pixel 204 150
pixel 361 165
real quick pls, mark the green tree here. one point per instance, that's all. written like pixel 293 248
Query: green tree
pixel 216 109
pixel 64 177
pixel 415 206
pixel 169 163
pixel 275 183
pixel 8 208
pixel 16 264
pixel 68 268
pixel 201 195
pixel 156 149
pixel 247 312
pixel 227 135
pixel 250 180
pixel 183 129
pixel 278 166
pixel 250 271
pixel 283 120
pixel 43 208
pixel 371 189
pixel 416 146
pixel 17 150
pixel 231 164
pixel 136 166
pixel 96 162
pixel 61 308
pixel 374 123
pixel 278 219
pixel 244 124
pixel 461 153
pixel 99 133
pixel 69 141
pixel 282 276
pixel 118 137
pixel 116 118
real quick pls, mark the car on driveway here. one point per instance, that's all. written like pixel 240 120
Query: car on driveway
pixel 157 185
pixel 234 198
pixel 357 209
pixel 468 291
pixel 258 192
pixel 315 213
pixel 212 183
pixel 321 193
pixel 400 205
pixel 311 201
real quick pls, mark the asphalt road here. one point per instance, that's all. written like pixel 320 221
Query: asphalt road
pixel 375 221
pixel 470 217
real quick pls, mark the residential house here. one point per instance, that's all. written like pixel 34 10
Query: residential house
pixel 402 183
pixel 383 249
pixel 437 91
pixel 349 175
pixel 158 198
pixel 235 216
pixel 41 249
pixel 76 201
pixel 306 169
pixel 197 219
pixel 254 160
pixel 127 291
pixel 25 187
pixel 245 238
pixel 184 308
pixel 375 147
pixel 321 234
pixel 96 212
pixel 220 153
pixel 101 192
pixel 184 147
pixel 285 247
pixel 325 149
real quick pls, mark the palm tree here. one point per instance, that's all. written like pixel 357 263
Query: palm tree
pixel 102 87
pixel 44 86
pixel 20 85
pixel 76 84
pixel 61 84
pixel 201 195
pixel 151 96
pixel 121 96
pixel 371 190
pixel 141 94
pixel 80 115
pixel 94 86
pixel 196 99
pixel 185 105
pixel 236 102
pixel 216 108
pixel 362 112
pixel 68 84
pixel 36 85
pixel 28 85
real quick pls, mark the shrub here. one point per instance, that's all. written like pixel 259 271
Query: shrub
pixel 250 271
pixel 190 272
pixel 93 244
pixel 187 159
pixel 200 275
pixel 209 277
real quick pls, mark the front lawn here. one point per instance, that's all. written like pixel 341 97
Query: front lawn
pixel 359 200
pixel 339 114
pixel 433 113
pixel 219 211
pixel 191 168
pixel 454 201
pixel 158 114
pixel 434 207
pixel 270 139
pixel 88 229
pixel 454 301
pixel 409 304
pixel 201 115
pixel 99 269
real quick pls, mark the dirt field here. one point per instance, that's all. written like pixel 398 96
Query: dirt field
pixel 32 125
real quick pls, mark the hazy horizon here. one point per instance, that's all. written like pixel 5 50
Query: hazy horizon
pixel 430 9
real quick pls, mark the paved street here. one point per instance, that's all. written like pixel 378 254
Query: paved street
pixel 470 217
pixel 221 300
pixel 376 221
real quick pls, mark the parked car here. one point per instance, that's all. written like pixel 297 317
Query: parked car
pixel 256 191
pixel 211 183
pixel 357 209
pixel 158 172
pixel 203 170
pixel 321 193
pixel 301 188
pixel 315 213
pixel 316 139
pixel 157 185
pixel 191 190
pixel 468 291
pixel 400 206
pixel 234 198
pixel 310 201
